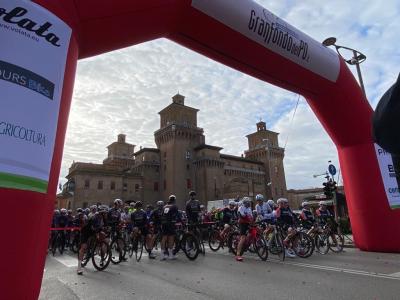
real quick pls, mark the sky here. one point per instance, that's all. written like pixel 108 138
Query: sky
pixel 123 91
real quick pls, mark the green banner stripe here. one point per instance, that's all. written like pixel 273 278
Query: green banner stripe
pixel 395 206
pixel 23 183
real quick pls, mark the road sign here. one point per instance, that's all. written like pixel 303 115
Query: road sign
pixel 332 170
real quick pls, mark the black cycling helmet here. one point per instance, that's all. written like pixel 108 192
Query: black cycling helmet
pixel 138 204
pixel 192 193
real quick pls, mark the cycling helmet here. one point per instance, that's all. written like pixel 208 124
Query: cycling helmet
pixel 160 203
pixel 63 211
pixel 322 203
pixel 282 200
pixel 87 211
pixel 93 207
pixel 103 209
pixel 259 197
pixel 56 212
pixel 305 203
pixel 171 199
pixel 69 211
pixel 138 204
pixel 202 206
pixel 231 202
pixel 271 203
pixel 118 201
pixel 246 201
pixel 132 204
pixel 192 193
pixel 79 210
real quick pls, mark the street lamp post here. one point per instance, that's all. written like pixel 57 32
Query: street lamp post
pixel 357 58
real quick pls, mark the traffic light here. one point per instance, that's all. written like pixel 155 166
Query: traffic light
pixel 329 188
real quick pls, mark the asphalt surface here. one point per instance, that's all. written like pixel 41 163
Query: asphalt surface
pixel 349 275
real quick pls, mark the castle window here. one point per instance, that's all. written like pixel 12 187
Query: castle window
pixel 156 186
pixel 87 183
pixel 100 185
pixel 125 187
pixel 187 155
pixel 112 186
pixel 187 167
pixel 136 188
pixel 188 183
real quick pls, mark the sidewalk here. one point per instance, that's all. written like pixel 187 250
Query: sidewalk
pixel 348 241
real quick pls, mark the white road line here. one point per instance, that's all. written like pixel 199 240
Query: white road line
pixel 67 260
pixel 394 276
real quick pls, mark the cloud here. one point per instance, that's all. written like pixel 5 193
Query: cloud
pixel 122 91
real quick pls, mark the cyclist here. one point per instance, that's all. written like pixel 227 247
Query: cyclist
pixel 265 213
pixel 91 228
pixel 139 224
pixel 325 217
pixel 169 218
pixel 245 218
pixel 114 215
pixel 131 207
pixel 229 215
pixel 193 209
pixel 307 217
pixel 286 217
pixel 155 219
pixel 149 211
pixel 93 210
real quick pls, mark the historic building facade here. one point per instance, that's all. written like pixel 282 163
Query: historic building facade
pixel 181 162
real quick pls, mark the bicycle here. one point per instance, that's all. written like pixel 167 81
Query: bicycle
pixel 275 242
pixel 117 246
pixel 98 251
pixel 216 240
pixel 253 238
pixel 57 241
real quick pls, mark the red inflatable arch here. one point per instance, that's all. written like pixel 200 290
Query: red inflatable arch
pixel 239 34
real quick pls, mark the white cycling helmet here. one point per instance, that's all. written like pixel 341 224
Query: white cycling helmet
pixel 305 203
pixel 232 202
pixel 259 197
pixel 271 203
pixel 282 200
pixel 118 201
pixel 322 203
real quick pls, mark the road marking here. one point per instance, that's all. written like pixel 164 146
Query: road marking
pixel 67 260
pixel 395 274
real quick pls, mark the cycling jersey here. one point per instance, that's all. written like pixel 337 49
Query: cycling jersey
pixel 114 217
pixel 139 218
pixel 156 217
pixel 62 221
pixel 193 211
pixel 286 215
pixel 229 215
pixel 169 214
pixel 307 218
pixel 245 214
pixel 264 211
pixel 323 215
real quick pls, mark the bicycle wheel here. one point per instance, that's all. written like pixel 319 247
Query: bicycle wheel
pixel 321 243
pixel 75 244
pixel 303 245
pixel 214 240
pixel 139 248
pixel 116 252
pixel 54 244
pixel 260 247
pixel 338 245
pixel 276 246
pixel 233 241
pixel 190 246
pixel 101 256
pixel 61 243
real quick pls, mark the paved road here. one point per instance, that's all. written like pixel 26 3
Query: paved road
pixel 350 275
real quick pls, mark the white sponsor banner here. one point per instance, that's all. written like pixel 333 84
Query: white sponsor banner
pixel 266 29
pixel 388 176
pixel 34 46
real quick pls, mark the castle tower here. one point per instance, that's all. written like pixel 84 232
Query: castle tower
pixel 177 137
pixel 264 147
pixel 120 153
